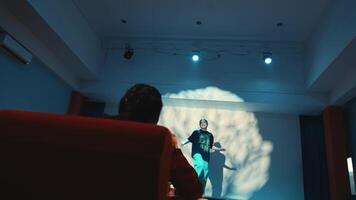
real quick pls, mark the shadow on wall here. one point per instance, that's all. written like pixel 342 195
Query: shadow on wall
pixel 243 168
pixel 217 165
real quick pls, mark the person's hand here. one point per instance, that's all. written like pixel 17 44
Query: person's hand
pixel 222 149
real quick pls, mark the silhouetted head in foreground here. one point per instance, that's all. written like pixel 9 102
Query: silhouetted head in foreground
pixel 141 103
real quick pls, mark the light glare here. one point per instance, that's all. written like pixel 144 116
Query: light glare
pixel 268 60
pixel 195 58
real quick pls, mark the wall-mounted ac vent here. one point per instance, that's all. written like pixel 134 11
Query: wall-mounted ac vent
pixel 15 48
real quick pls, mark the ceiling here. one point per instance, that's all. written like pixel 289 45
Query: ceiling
pixel 83 42
pixel 221 19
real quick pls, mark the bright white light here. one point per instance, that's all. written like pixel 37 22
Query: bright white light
pixel 195 58
pixel 351 175
pixel 208 94
pixel 349 165
pixel 268 60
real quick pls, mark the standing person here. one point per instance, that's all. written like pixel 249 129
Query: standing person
pixel 143 103
pixel 202 141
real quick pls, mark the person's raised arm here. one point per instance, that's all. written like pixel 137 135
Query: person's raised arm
pixel 186 141
pixel 189 139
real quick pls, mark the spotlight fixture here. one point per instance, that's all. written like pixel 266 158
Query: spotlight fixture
pixel 267 57
pixel 195 56
pixel 129 52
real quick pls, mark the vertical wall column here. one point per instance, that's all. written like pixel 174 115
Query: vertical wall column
pixel 82 105
pixel 75 104
pixel 336 153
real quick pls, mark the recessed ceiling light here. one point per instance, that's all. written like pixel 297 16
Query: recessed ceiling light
pixel 267 57
pixel 195 56
pixel 279 24
pixel 268 60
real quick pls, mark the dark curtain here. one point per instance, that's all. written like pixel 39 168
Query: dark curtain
pixel 92 109
pixel 315 171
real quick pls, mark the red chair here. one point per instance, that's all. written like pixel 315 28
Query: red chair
pixel 50 156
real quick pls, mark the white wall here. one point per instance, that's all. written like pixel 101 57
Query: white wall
pixel 286 170
pixel 12 25
pixel 334 32
pixel 66 20
pixel 265 149
pixel 243 73
pixel 173 73
pixel 31 87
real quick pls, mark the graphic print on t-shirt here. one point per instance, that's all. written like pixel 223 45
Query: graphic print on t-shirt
pixel 204 141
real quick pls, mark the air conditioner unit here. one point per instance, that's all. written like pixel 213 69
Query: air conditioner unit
pixel 15 48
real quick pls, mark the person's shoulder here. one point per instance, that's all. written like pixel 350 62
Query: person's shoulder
pixel 195 133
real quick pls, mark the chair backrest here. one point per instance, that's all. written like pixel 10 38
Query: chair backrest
pixel 50 156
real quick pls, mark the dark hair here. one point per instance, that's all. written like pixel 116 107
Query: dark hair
pixel 201 121
pixel 141 103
